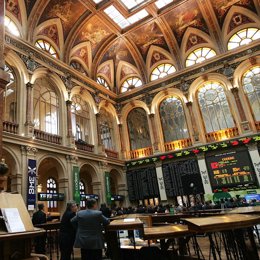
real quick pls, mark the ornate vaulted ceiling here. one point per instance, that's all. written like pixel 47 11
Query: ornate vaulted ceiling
pixel 104 39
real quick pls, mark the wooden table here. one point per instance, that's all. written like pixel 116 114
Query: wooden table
pixel 246 210
pixel 232 229
pixel 17 243
pixel 125 224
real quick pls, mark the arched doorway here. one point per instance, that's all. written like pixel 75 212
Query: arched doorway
pixel 88 176
pixel 117 196
pixel 50 172
pixel 13 182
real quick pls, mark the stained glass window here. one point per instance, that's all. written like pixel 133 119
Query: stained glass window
pixel 130 84
pixel 251 85
pixel 199 55
pixel 243 37
pixel 80 118
pixel 106 129
pixel 46 106
pixel 162 71
pixel 10 97
pixel 138 129
pixel 173 119
pixel 214 107
pixel 102 81
pixel 46 46
pixel 11 26
pixel 51 188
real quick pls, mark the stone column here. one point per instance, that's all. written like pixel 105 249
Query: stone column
pixel 101 148
pixel 63 185
pixel 70 137
pixel 193 122
pixel 123 151
pixel 4 79
pixel 244 123
pixel 155 134
pixel 204 173
pixel 29 110
pixel 160 180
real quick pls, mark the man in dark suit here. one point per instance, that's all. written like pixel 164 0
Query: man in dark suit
pixel 89 235
pixel 39 217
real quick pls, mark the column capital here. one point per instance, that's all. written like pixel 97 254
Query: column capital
pixel 151 115
pixel 68 102
pixel 189 103
pixel 4 79
pixel 234 90
pixel 29 85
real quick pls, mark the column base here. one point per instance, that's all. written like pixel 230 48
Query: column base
pixel 70 141
pixel 101 149
pixel 245 126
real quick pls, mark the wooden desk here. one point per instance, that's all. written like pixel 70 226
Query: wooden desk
pixel 121 224
pixel 233 229
pixel 19 244
pixel 246 210
pixel 165 232
pixel 221 223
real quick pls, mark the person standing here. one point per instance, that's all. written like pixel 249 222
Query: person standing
pixel 67 231
pixel 89 237
pixel 39 217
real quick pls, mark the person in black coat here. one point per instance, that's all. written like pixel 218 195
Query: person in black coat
pixel 67 231
pixel 39 217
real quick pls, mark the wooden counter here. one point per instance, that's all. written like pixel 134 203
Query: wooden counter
pixel 246 210
pixel 221 223
pixel 165 232
pixel 121 224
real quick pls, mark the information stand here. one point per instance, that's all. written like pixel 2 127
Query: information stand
pixel 16 245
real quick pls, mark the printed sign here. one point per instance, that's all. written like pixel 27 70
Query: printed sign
pixel 31 189
pixel 76 190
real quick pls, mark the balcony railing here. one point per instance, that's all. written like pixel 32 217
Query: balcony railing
pixel 81 145
pixel 10 127
pixel 257 125
pixel 111 153
pixel 139 153
pixel 222 134
pixel 47 137
pixel 179 144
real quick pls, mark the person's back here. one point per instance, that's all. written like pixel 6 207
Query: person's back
pixel 89 235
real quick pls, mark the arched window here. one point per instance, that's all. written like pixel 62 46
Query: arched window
pixel 80 119
pixel 243 37
pixel 138 129
pixel 130 84
pixel 10 98
pixel 162 71
pixel 173 119
pixel 251 85
pixel 106 129
pixel 199 55
pixel 46 106
pixel 82 190
pixel 102 81
pixel 52 188
pixel 214 107
pixel 77 66
pixel 11 27
pixel 46 46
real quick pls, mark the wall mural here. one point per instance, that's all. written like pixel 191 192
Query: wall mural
pixel 117 52
pixel 95 32
pixel 183 16
pixel 147 35
pixel 126 70
pixel 13 7
pixel 221 7
pixel 68 11
pixel 51 32
pixel 82 53
pixel 194 40
pixel 138 129
pixel 29 6
pixel 105 70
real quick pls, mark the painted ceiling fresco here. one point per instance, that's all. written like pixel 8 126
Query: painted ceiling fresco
pixel 68 11
pixel 221 7
pixel 95 32
pixel 183 16
pixel 147 35
pixel 29 5
pixel 93 36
